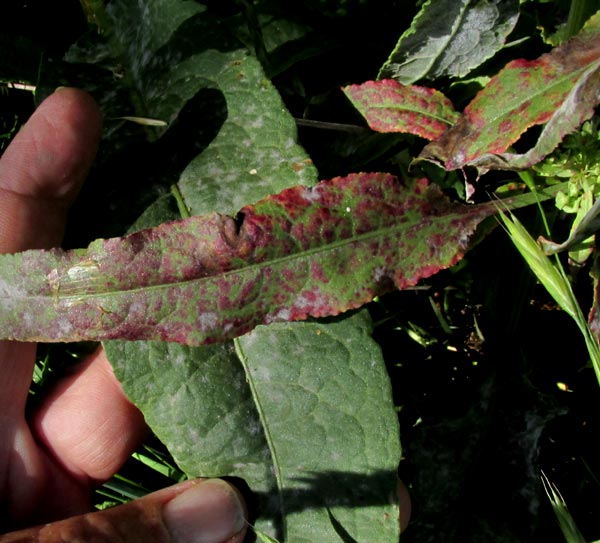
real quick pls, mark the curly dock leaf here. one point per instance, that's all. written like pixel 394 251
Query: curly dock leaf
pixel 559 89
pixel 389 106
pixel 303 252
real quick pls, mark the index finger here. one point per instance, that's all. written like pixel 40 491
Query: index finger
pixel 43 168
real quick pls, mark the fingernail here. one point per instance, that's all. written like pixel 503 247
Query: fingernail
pixel 209 512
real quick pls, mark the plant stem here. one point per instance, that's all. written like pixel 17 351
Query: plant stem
pixel 181 205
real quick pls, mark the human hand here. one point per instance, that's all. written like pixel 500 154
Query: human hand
pixel 85 428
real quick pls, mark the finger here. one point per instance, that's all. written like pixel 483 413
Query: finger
pixel 40 173
pixel 43 168
pixel 405 505
pixel 87 423
pixel 200 511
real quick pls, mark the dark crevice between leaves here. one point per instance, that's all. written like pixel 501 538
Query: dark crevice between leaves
pixel 143 171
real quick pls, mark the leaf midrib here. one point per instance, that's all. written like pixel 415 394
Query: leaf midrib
pixel 277 261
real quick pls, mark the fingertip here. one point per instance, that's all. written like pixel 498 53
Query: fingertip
pixel 211 511
pixel 53 151
pixel 81 103
pixel 43 168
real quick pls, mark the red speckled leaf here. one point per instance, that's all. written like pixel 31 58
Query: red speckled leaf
pixel 303 252
pixel 560 89
pixel 389 106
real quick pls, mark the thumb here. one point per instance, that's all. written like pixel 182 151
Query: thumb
pixel 196 511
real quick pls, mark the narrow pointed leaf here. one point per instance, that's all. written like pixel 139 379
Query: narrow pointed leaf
pixel 304 252
pixel 560 89
pixel 389 106
pixel 450 38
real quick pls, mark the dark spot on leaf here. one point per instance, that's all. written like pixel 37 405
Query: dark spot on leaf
pixel 239 221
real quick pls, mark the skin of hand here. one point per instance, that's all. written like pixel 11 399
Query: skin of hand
pixel 85 428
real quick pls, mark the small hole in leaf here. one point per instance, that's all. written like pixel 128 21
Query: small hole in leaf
pixel 239 221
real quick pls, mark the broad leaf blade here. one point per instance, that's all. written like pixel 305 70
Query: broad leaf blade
pixel 335 458
pixel 450 38
pixel 389 106
pixel 255 152
pixel 197 402
pixel 559 89
pixel 304 252
pixel 195 431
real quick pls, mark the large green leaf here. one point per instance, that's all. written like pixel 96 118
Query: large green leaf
pixel 450 38
pixel 304 252
pixel 321 462
pixel 325 403
pixel 255 152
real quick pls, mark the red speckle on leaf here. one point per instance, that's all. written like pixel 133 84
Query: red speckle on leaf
pixel 304 252
pixel 317 272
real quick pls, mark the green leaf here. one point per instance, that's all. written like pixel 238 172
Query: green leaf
pixel 389 106
pixel 178 50
pixel 255 152
pixel 448 38
pixel 304 252
pixel 560 89
pixel 182 49
pixel 334 459
pixel 563 516
pixel 197 401
pixel 319 461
